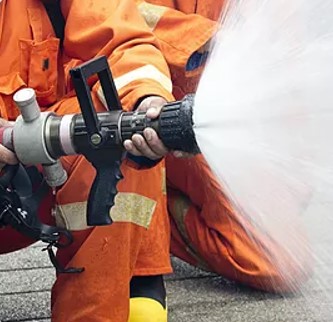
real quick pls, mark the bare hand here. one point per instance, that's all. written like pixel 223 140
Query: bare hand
pixel 148 145
pixel 6 156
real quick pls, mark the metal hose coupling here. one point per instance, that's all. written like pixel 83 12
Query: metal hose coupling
pixel 28 138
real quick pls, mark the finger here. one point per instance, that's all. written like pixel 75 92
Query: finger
pixel 153 112
pixel 7 156
pixel 142 146
pixel 154 142
pixel 4 122
pixel 138 147
pixel 130 147
pixel 150 102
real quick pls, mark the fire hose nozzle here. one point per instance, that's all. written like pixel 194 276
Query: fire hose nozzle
pixel 43 137
pixel 174 125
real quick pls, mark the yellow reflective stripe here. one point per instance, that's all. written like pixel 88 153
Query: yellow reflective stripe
pixel 129 207
pixel 178 211
pixel 72 216
pixel 144 72
pixel 151 13
pixel 164 185
pixel 134 208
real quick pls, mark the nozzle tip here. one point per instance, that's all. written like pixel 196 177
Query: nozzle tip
pixel 176 126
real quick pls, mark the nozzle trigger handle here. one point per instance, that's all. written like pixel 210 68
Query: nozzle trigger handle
pixel 102 194
pixel 105 160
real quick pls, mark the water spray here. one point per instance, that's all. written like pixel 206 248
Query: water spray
pixel 264 118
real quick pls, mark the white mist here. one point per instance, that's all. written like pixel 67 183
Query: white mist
pixel 264 118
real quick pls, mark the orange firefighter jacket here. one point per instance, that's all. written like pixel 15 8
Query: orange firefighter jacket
pixel 30 50
pixel 210 9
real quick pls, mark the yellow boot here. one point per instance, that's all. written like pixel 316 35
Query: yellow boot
pixel 143 309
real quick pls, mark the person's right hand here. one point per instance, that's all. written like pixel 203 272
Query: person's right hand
pixel 6 156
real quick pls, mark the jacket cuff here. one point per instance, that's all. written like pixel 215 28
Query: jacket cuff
pixel 141 162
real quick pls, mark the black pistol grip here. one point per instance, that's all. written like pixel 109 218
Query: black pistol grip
pixel 102 194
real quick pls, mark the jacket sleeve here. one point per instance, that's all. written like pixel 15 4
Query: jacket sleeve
pixel 183 36
pixel 116 29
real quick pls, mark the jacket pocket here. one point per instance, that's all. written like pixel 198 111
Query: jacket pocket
pixel 39 68
pixel 9 84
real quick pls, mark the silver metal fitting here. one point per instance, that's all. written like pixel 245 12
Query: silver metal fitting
pixel 54 173
pixel 26 101
pixel 29 137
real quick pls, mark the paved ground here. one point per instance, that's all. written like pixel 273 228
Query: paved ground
pixel 194 295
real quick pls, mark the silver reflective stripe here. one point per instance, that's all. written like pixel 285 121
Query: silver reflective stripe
pixel 151 13
pixel 178 211
pixel 144 72
pixel 134 208
pixel 129 207
pixel 72 216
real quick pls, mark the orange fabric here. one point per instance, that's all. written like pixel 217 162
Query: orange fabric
pixel 209 233
pixel 183 29
pixel 112 254
pixel 210 9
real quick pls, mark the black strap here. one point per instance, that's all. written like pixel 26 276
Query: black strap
pixel 57 19
pixel 21 192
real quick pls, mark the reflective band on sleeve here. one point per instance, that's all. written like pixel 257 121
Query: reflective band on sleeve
pixel 144 72
pixel 129 207
pixel 147 71
pixel 151 13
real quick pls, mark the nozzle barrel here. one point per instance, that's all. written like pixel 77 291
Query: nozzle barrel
pixel 174 125
pixel 69 135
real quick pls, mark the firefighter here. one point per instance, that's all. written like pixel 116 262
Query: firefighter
pixel 206 230
pixel 136 247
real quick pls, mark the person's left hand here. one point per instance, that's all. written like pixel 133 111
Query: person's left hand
pixel 148 145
